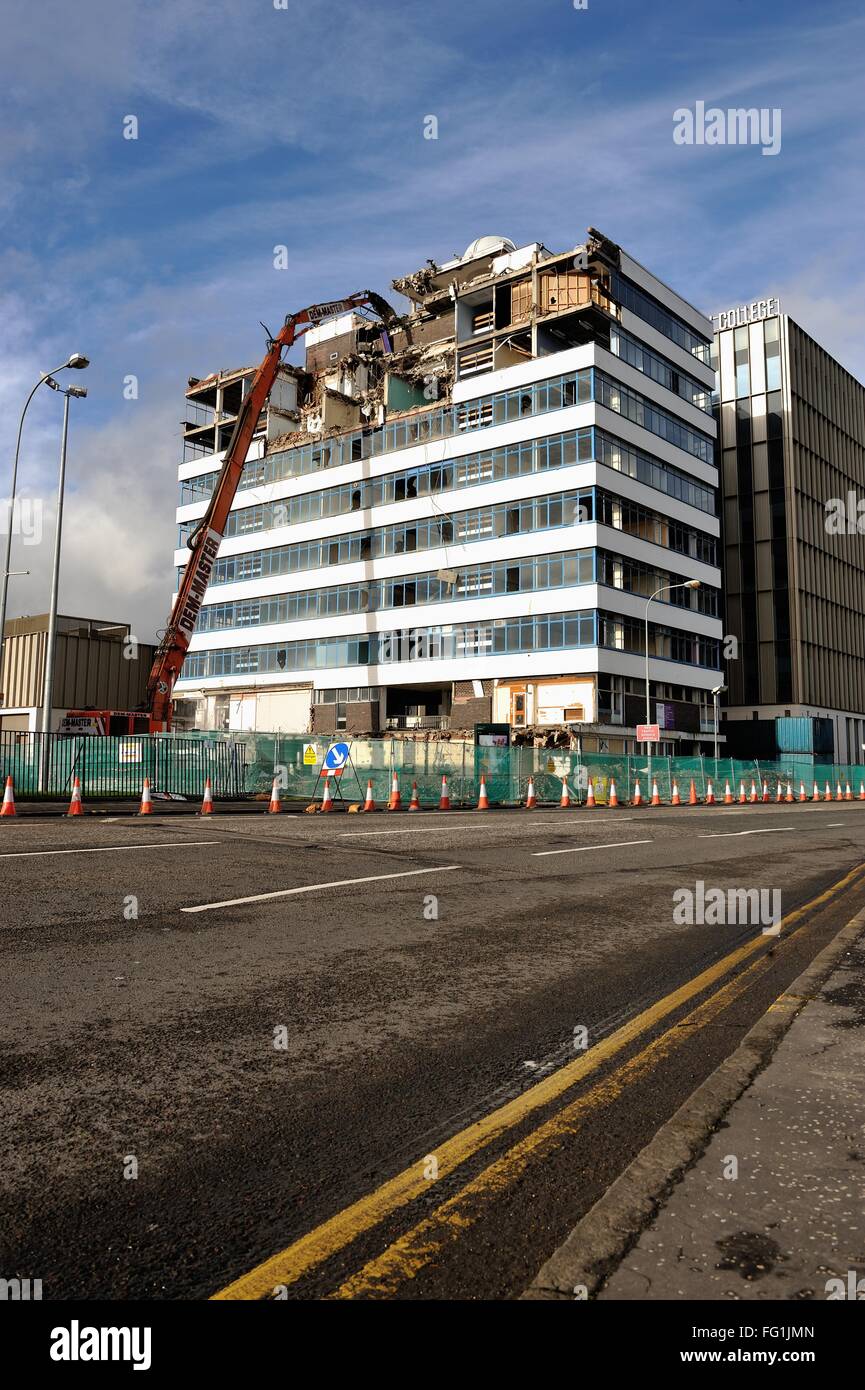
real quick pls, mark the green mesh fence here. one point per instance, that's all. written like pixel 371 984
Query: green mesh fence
pixel 244 765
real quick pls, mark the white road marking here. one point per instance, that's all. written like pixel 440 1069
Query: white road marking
pixel 418 830
pixel 107 849
pixel 581 849
pixel 730 834
pixel 424 830
pixel 317 887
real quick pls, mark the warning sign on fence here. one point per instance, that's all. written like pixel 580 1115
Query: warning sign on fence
pixel 310 755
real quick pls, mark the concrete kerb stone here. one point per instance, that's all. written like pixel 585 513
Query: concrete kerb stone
pixel 599 1242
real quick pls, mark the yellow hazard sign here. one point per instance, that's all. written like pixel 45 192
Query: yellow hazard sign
pixel 310 755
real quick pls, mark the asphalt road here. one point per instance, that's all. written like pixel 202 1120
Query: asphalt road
pixel 285 1069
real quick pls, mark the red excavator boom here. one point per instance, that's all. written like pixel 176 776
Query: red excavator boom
pixel 205 539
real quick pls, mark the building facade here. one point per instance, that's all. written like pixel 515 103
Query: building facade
pixel 792 455
pixel 97 665
pixel 471 512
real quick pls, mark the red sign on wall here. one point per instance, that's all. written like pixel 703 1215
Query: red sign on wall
pixel 648 733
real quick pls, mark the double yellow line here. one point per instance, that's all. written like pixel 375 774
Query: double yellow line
pixel 406 1256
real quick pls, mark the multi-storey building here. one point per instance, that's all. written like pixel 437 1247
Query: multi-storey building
pixel 792 452
pixel 471 512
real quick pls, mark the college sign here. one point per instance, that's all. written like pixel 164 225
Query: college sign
pixel 748 313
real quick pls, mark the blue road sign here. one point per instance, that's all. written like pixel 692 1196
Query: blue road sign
pixel 336 757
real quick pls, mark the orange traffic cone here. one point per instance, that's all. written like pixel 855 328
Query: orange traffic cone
pixel 675 799
pixel 789 796
pixel 803 795
pixel 274 805
pixel 692 794
pixel 710 793
pixel 779 795
pixel 531 799
pixel 146 807
pixel 414 804
pixel 656 799
pixel 848 795
pixel 742 797
pixel 816 793
pixel 637 799
pixel 395 802
pixel 766 796
pixel 327 799
pixel 207 801
pixel 728 795
pixel 75 806
pixel 566 796
pixel 483 800
pixel 369 803
pixel 753 794
pixel 839 795
pixel 612 799
pixel 590 794
pixel 8 807
pixel 827 795
pixel 862 791
pixel 444 799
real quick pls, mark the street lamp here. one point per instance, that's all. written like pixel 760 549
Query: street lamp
pixel 77 362
pixel 665 588
pixel 716 691
pixel 79 392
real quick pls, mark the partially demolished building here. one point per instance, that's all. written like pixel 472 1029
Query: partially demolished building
pixel 461 517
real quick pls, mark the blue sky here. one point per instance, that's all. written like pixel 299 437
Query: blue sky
pixel 303 126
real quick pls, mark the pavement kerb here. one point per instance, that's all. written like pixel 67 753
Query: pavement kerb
pixel 598 1243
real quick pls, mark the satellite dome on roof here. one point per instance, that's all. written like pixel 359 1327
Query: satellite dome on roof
pixel 486 245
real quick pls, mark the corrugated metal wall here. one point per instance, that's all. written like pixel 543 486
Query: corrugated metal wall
pixel 87 671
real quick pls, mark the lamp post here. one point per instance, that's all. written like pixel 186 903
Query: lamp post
pixel 665 588
pixel 76 362
pixel 51 638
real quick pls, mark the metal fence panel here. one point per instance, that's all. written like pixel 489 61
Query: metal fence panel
pixel 244 765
